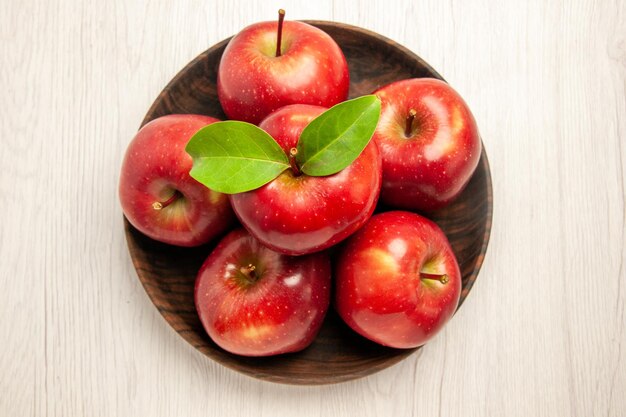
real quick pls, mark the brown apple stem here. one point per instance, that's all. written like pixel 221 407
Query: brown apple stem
pixel 443 278
pixel 409 123
pixel 279 35
pixel 160 205
pixel 292 161
pixel 248 271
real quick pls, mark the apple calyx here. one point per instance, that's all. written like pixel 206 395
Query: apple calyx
pixel 279 33
pixel 292 162
pixel 408 130
pixel 249 272
pixel 160 205
pixel 442 278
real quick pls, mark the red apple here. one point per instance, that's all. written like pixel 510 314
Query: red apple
pixel 253 301
pixel 265 67
pixel 158 196
pixel 397 280
pixel 298 214
pixel 429 142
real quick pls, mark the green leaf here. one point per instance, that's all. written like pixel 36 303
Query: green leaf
pixel 233 157
pixel 337 137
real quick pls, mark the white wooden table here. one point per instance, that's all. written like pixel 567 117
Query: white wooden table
pixel 544 329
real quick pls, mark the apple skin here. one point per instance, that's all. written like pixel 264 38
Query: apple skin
pixel 430 168
pixel 155 167
pixel 252 82
pixel 379 292
pixel 296 215
pixel 281 310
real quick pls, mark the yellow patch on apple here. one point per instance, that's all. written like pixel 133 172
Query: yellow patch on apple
pixel 256 332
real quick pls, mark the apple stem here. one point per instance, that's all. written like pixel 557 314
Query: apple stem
pixel 279 37
pixel 409 123
pixel 160 205
pixel 443 278
pixel 248 271
pixel 292 161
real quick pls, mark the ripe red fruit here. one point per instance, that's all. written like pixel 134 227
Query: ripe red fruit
pixel 397 280
pixel 253 81
pixel 253 301
pixel 429 143
pixel 299 214
pixel 158 196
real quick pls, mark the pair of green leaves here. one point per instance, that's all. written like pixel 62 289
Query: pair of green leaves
pixel 234 157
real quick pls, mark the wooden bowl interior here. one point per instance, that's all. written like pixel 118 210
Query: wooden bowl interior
pixel 337 354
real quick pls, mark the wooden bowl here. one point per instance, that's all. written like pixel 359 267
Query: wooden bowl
pixel 337 354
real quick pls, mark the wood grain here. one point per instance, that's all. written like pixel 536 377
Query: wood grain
pixel 337 354
pixel 543 331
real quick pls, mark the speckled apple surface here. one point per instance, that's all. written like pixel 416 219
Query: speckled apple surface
pixel 302 214
pixel 252 82
pixel 156 169
pixel 337 354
